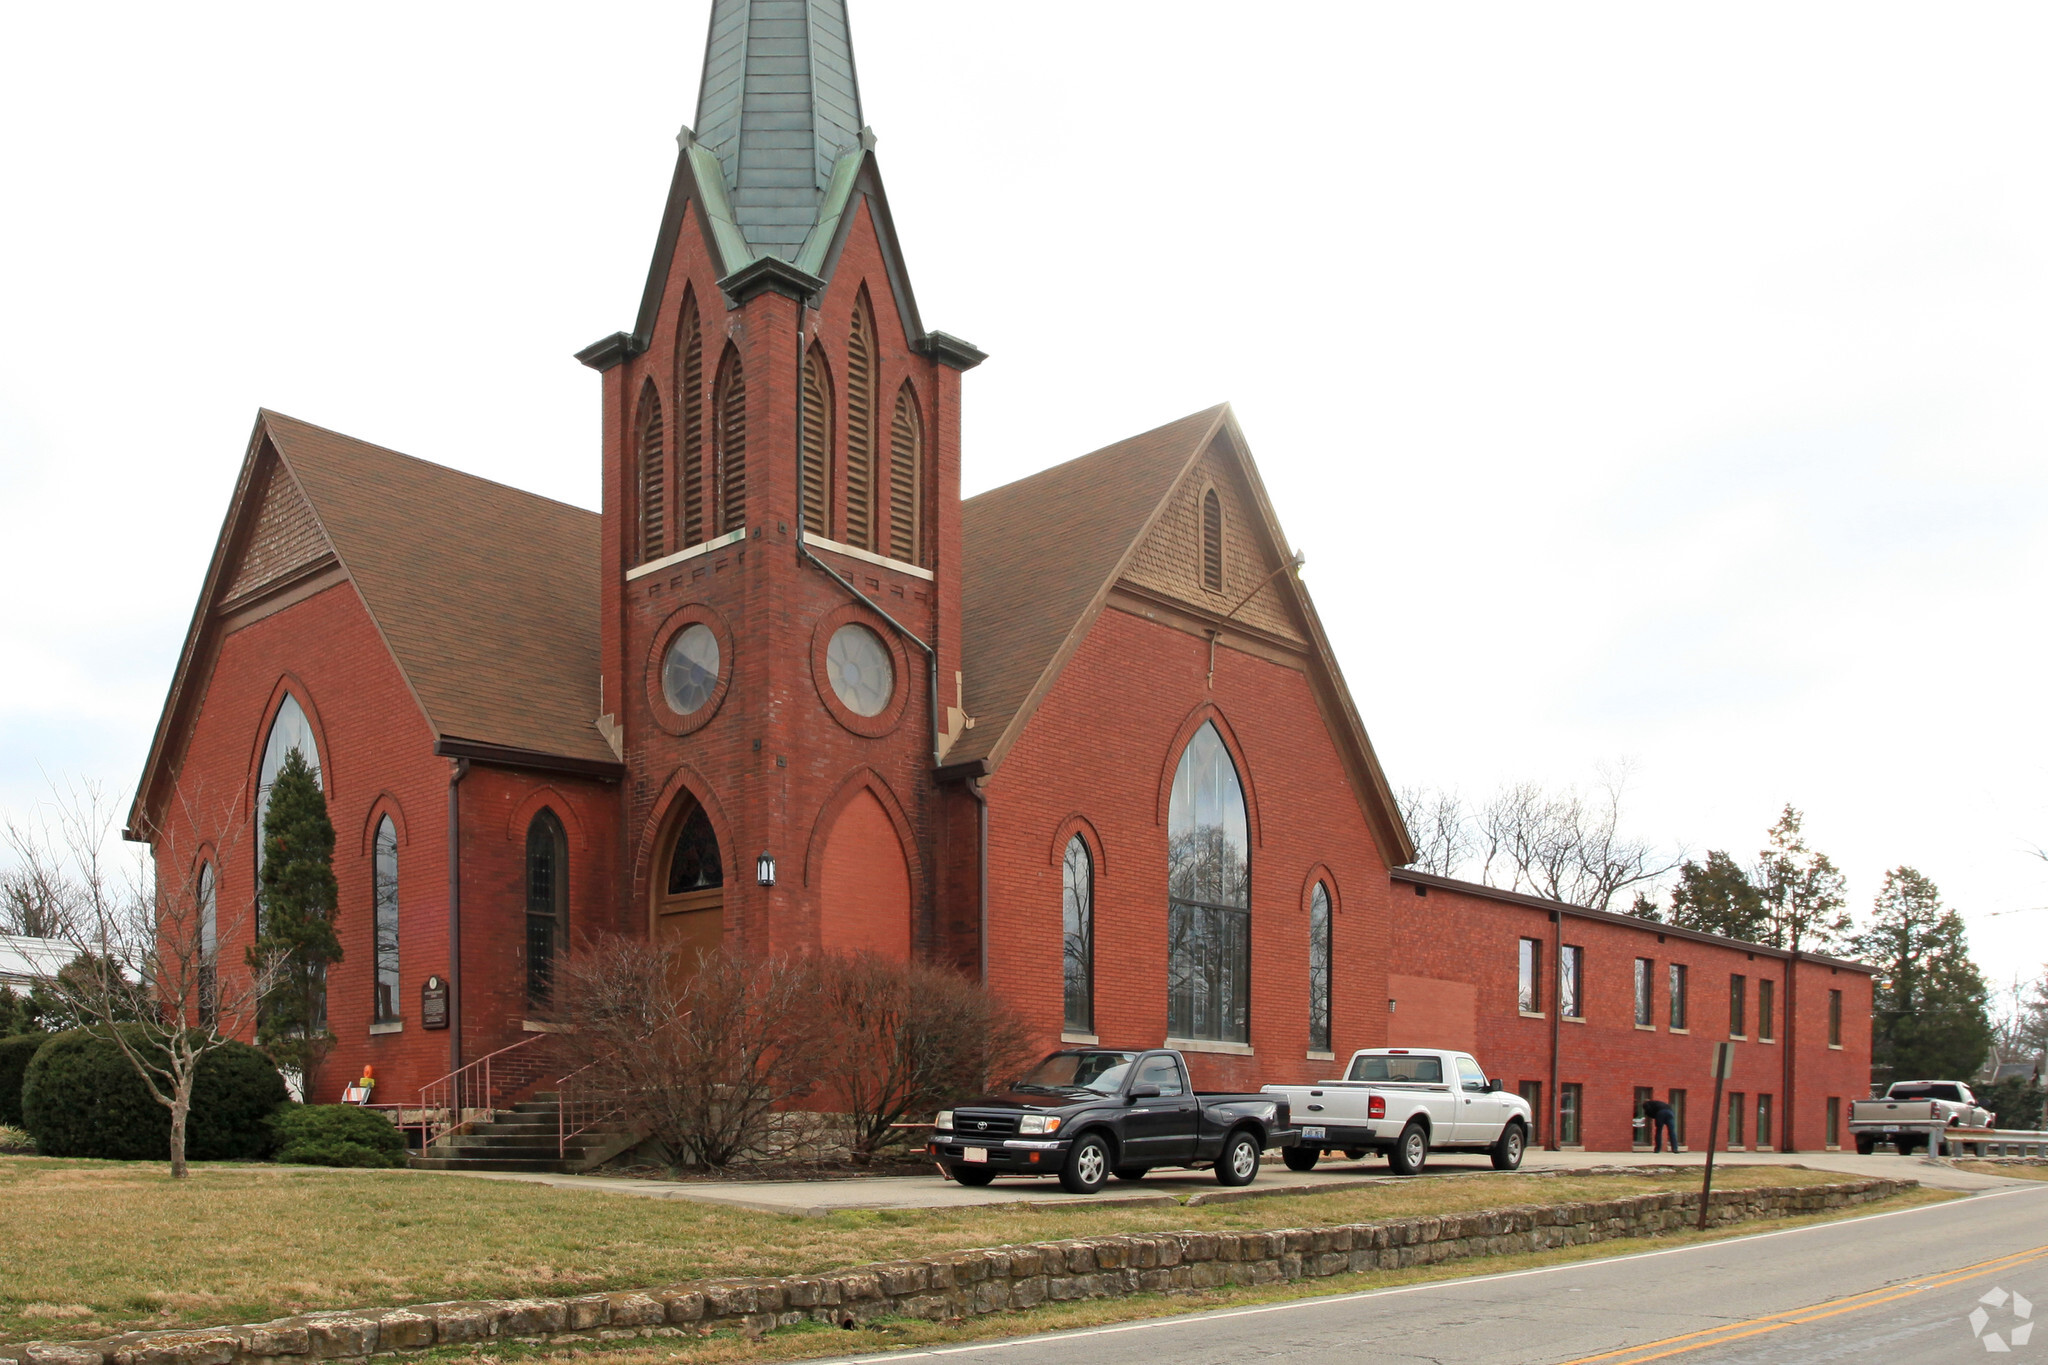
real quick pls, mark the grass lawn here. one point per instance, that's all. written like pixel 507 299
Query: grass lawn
pixel 2010 1172
pixel 92 1248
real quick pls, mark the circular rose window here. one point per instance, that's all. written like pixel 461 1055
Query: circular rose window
pixel 689 671
pixel 861 674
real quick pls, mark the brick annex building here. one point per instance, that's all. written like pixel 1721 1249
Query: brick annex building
pixel 1082 737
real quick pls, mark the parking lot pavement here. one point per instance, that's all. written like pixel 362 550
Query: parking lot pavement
pixel 816 1198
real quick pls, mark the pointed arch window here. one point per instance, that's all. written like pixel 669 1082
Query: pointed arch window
pixel 1208 896
pixel 817 445
pixel 1212 541
pixel 906 477
pixel 547 904
pixel 860 426
pixel 1319 969
pixel 731 412
pixel 289 730
pixel 695 864
pixel 653 476
pixel 1077 926
pixel 384 895
pixel 206 896
pixel 690 402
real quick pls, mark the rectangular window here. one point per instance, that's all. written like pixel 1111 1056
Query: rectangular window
pixel 1530 991
pixel 1569 1100
pixel 1319 970
pixel 1676 989
pixel 1738 1007
pixel 1644 1094
pixel 1834 1018
pixel 1834 1138
pixel 1646 989
pixel 1763 1121
pixel 1736 1102
pixel 1570 970
pixel 1677 1101
pixel 1532 1091
pixel 1767 1010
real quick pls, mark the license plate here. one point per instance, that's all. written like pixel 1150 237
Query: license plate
pixel 1891 1127
pixel 974 1154
pixel 1314 1133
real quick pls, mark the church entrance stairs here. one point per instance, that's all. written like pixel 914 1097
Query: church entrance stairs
pixel 527 1137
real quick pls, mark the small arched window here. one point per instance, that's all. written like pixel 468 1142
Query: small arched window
pixel 206 898
pixel 690 400
pixel 1319 969
pixel 1212 541
pixel 695 864
pixel 1209 896
pixel 860 426
pixel 653 476
pixel 1077 926
pixel 906 477
pixel 547 904
pixel 731 411
pixel 817 445
pixel 384 893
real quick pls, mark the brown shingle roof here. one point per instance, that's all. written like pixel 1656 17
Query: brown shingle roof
pixel 486 595
pixel 1038 555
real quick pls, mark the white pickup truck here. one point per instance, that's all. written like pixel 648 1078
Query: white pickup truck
pixel 1404 1101
pixel 1915 1114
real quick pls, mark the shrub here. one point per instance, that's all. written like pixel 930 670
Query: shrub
pixel 336 1135
pixel 14 1057
pixel 81 1097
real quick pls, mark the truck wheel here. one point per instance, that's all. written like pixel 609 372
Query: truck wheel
pixel 974 1175
pixel 1410 1151
pixel 1865 1146
pixel 1239 1164
pixel 1905 1146
pixel 1300 1158
pixel 1357 1154
pixel 1507 1153
pixel 1132 1172
pixel 1087 1165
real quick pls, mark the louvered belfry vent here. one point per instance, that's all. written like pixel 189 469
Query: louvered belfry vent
pixel 732 442
pixel 817 445
pixel 1212 541
pixel 906 468
pixel 653 476
pixel 690 398
pixel 860 427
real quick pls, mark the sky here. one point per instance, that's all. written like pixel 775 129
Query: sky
pixel 1646 385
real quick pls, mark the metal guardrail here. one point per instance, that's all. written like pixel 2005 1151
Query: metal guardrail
pixel 469 1094
pixel 580 1107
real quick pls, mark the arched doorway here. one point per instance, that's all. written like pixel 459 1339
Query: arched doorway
pixel 689 892
pixel 865 887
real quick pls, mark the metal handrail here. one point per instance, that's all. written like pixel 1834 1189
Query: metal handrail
pixel 574 1104
pixel 459 1098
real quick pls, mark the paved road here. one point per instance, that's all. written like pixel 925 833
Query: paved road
pixel 1897 1288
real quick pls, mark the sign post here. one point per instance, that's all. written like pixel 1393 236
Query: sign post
pixel 1724 1062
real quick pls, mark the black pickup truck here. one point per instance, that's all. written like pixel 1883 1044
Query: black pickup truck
pixel 1086 1114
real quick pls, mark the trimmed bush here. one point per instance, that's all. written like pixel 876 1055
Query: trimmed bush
pixel 81 1097
pixel 14 1058
pixel 336 1135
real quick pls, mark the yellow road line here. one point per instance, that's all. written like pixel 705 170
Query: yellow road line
pixel 1793 1317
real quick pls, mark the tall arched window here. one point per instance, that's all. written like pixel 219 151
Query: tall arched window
pixel 1319 969
pixel 1077 931
pixel 547 904
pixel 289 730
pixel 817 445
pixel 860 426
pixel 1208 875
pixel 206 897
pixel 1212 541
pixel 730 406
pixel 690 400
pixel 653 476
pixel 906 475
pixel 384 892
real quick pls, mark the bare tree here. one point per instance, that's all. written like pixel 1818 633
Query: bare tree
pixel 702 1055
pixel 1438 823
pixel 146 968
pixel 34 902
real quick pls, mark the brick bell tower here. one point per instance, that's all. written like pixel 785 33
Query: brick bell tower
pixel 780 569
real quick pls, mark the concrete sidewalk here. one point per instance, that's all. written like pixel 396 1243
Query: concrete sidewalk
pixel 817 1198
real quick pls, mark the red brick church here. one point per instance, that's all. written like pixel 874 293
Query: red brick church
pixel 1082 737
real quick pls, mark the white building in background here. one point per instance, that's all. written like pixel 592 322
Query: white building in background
pixel 25 961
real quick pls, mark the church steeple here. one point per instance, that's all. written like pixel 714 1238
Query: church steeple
pixel 779 110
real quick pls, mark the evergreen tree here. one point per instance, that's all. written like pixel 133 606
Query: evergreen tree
pixel 1930 1016
pixel 1717 897
pixel 1803 895
pixel 295 898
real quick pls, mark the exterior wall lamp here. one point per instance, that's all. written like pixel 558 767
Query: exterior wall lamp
pixel 764 869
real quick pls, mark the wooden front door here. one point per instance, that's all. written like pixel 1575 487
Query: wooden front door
pixel 689 900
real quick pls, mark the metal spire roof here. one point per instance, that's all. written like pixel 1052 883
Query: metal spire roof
pixel 779 108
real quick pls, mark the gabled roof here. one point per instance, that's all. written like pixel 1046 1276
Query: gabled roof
pixel 1040 556
pixel 485 595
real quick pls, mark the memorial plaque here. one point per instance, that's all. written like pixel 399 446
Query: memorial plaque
pixel 434 1003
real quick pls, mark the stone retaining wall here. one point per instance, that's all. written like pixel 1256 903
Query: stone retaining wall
pixel 954 1284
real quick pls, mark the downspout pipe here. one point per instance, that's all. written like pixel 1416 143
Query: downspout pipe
pixel 973 785
pixel 931 655
pixel 456 773
pixel 1555 1108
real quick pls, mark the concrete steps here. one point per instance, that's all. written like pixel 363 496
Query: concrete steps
pixel 524 1138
